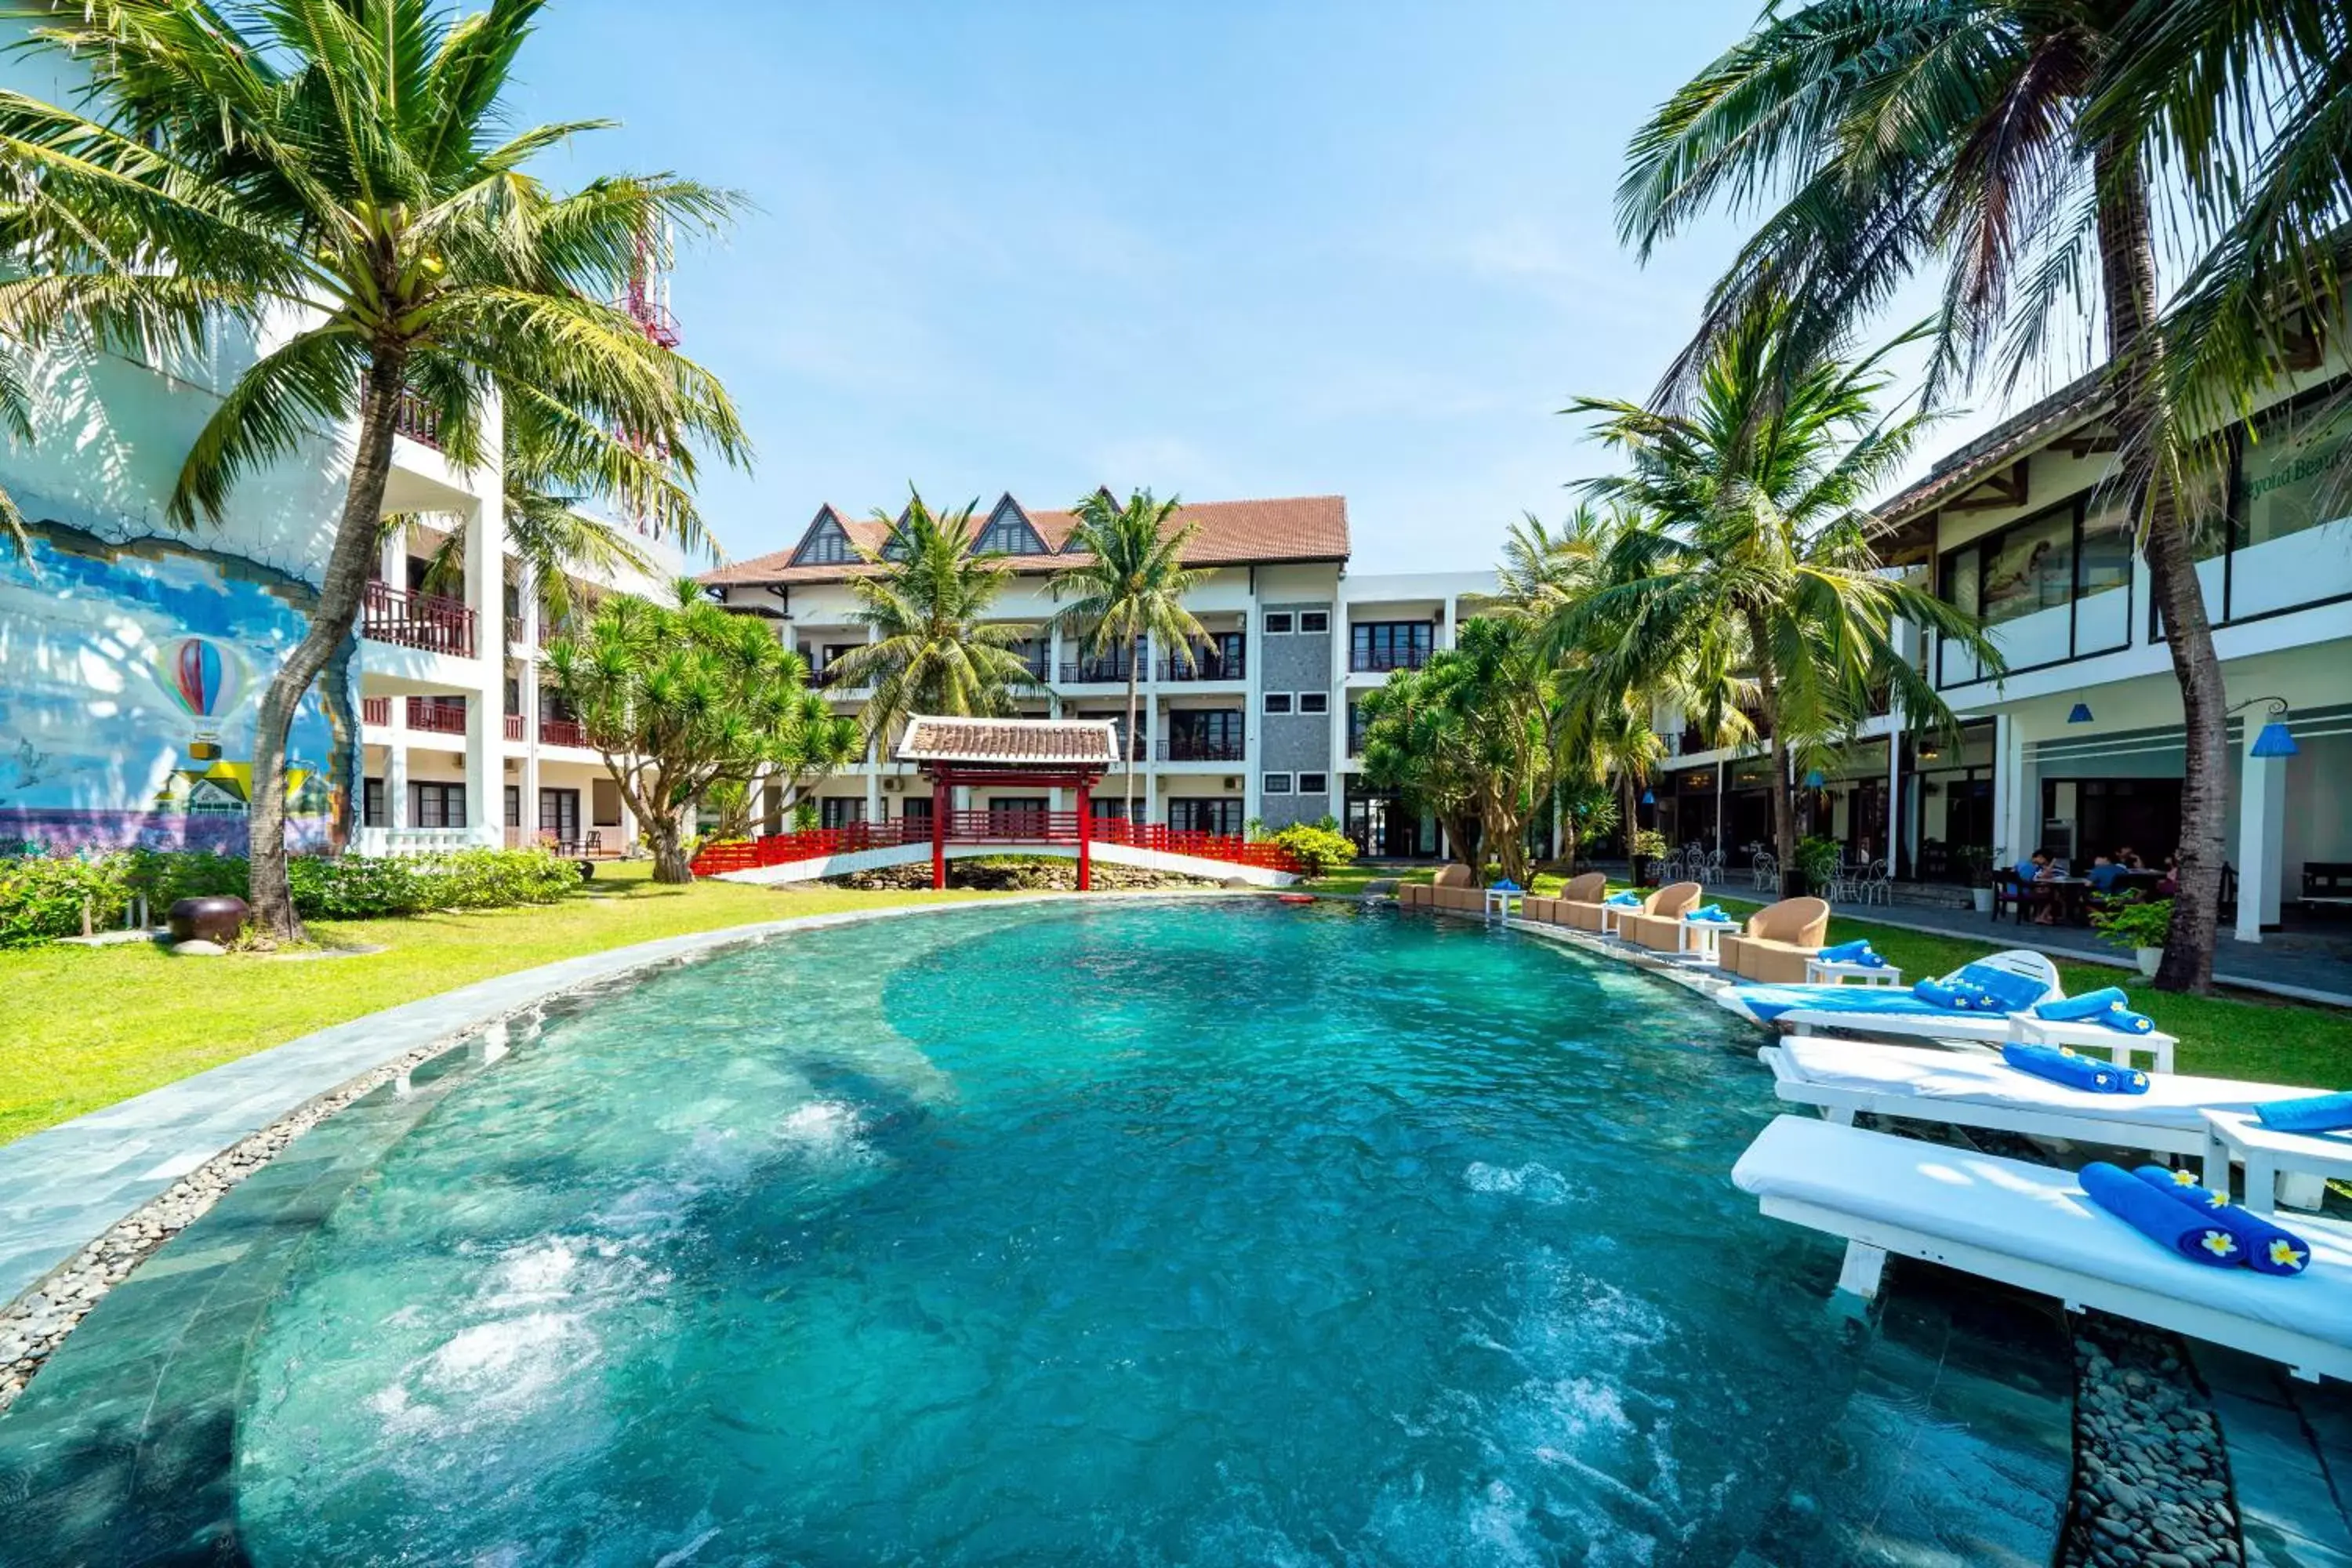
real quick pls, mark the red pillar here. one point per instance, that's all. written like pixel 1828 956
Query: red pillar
pixel 942 792
pixel 1085 838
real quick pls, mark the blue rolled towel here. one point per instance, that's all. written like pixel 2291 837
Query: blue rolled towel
pixel 1624 901
pixel 2268 1249
pixel 2060 1066
pixel 2003 992
pixel 1852 953
pixel 1958 996
pixel 1711 913
pixel 2167 1222
pixel 2309 1113
pixel 2106 1006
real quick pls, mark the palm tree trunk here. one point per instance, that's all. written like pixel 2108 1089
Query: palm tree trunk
pixel 331 618
pixel 1784 805
pixel 1126 741
pixel 2128 263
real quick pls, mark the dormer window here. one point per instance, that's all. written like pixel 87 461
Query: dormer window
pixel 1009 533
pixel 826 543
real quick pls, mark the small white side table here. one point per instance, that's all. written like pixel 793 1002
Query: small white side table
pixel 1505 901
pixel 1703 938
pixel 1827 972
pixel 2273 1158
pixel 2028 1029
pixel 1608 913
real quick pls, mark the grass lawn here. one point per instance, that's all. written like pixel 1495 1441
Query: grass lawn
pixel 89 1027
pixel 2233 1034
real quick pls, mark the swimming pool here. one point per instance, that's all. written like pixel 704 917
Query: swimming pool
pixel 1135 1232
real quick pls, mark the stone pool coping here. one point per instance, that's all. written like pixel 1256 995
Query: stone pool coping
pixel 66 1187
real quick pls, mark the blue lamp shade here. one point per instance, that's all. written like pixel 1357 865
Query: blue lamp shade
pixel 1813 779
pixel 2275 742
pixel 2081 715
pixel 1650 798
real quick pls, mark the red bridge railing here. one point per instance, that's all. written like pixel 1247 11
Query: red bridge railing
pixel 1010 827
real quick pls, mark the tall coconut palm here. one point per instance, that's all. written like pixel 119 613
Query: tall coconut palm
pixel 337 177
pixel 1754 553
pixel 2003 142
pixel 1128 586
pixel 935 650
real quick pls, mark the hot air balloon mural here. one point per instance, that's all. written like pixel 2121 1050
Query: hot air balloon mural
pixel 205 679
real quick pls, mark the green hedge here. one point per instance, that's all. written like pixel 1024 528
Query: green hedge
pixel 41 896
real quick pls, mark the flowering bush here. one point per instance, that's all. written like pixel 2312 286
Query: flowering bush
pixel 1317 848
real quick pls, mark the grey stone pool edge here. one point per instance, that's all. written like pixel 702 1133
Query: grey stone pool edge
pixel 67 1188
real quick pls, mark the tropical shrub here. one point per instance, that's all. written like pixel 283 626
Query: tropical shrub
pixel 2134 922
pixel 1316 848
pixel 43 898
pixel 1818 859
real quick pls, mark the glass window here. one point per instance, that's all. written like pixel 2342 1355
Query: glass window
pixel 2029 568
pixel 827 547
pixel 1277 621
pixel 1390 645
pixel 1314 784
pixel 514 805
pixel 2103 579
pixel 1277 701
pixel 1314 620
pixel 1008 535
pixel 2297 475
pixel 371 802
pixel 1275 783
pixel 1314 702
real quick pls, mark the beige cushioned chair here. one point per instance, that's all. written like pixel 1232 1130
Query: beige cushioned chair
pixel 1455 887
pixel 1577 906
pixel 1780 938
pixel 1657 924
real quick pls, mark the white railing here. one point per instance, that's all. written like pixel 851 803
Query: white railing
pixel 381 841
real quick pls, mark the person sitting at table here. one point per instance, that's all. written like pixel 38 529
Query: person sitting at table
pixel 2171 884
pixel 2042 867
pixel 2105 874
pixel 2128 858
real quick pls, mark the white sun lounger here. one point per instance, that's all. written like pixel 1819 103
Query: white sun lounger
pixel 1962 1088
pixel 1883 1011
pixel 2033 1228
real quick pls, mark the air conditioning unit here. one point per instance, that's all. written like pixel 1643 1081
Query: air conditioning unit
pixel 892 786
pixel 1232 783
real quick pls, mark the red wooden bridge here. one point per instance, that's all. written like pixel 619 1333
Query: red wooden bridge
pixel 997 831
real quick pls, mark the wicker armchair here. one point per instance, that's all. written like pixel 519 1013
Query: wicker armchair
pixel 1657 925
pixel 1780 938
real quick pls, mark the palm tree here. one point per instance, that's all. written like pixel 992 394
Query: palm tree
pixel 2011 142
pixel 1754 554
pixel 1129 584
pixel 935 651
pixel 336 172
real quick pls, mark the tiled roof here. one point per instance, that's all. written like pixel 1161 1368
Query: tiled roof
pixel 1230 533
pixel 2014 437
pixel 1082 742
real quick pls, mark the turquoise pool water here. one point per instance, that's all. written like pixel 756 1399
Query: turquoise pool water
pixel 1131 1234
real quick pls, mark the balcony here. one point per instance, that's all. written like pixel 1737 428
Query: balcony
pixel 437 715
pixel 514 726
pixel 562 732
pixel 833 679
pixel 375 709
pixel 411 418
pixel 1096 672
pixel 1380 661
pixel 1207 667
pixel 1201 749
pixel 425 621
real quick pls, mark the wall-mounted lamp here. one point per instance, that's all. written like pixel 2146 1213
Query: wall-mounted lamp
pixel 2274 739
pixel 2081 715
pixel 1649 798
pixel 1813 779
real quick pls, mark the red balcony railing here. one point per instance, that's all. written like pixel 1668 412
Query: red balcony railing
pixel 442 716
pixel 425 621
pixel 375 709
pixel 413 420
pixel 514 726
pixel 562 732
pixel 986 827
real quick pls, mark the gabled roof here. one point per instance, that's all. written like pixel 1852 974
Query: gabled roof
pixel 1230 533
pixel 1075 742
pixel 2018 436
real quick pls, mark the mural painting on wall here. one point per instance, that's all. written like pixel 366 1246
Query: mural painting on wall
pixel 134 678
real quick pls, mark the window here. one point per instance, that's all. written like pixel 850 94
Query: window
pixel 1390 645
pixel 1277 622
pixel 371 802
pixel 1314 702
pixel 2027 568
pixel 2290 479
pixel 1357 721
pixel 1314 784
pixel 1221 814
pixel 1314 620
pixel 1203 735
pixel 514 805
pixel 1274 784
pixel 1008 534
pixel 827 545
pixel 436 804
pixel 1277 701
pixel 835 811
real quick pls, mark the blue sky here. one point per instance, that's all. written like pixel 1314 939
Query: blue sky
pixel 1216 248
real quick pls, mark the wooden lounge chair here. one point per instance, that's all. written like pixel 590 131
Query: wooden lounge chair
pixel 2033 1227
pixel 1577 906
pixel 1779 940
pixel 1658 924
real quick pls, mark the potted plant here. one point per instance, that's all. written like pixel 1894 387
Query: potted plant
pixel 2143 924
pixel 1649 848
pixel 1977 860
pixel 1817 858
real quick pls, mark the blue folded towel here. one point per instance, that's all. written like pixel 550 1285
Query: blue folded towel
pixel 1852 953
pixel 2309 1113
pixel 1624 901
pixel 2167 1222
pixel 2007 993
pixel 1958 996
pixel 1711 913
pixel 2268 1249
pixel 2106 1006
pixel 2060 1066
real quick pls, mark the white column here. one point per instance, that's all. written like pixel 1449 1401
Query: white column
pixel 1445 622
pixel 485 550
pixel 2012 835
pixel 395 772
pixel 1893 849
pixel 526 695
pixel 2262 836
pixel 1718 807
